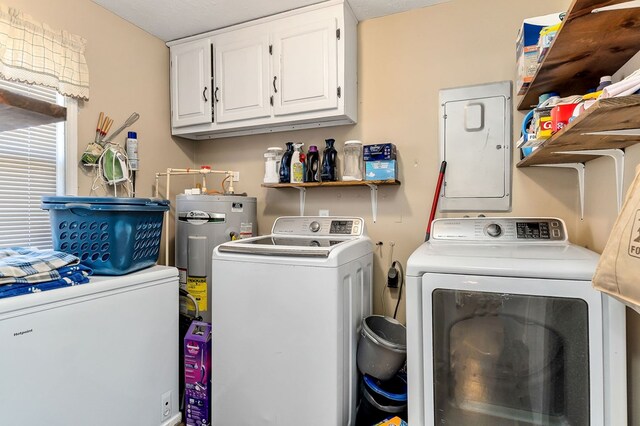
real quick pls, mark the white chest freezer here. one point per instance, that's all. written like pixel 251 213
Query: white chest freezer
pixel 102 353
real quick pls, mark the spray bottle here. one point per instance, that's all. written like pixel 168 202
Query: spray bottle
pixel 297 168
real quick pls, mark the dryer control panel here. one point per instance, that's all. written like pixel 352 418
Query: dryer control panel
pixel 327 226
pixel 501 229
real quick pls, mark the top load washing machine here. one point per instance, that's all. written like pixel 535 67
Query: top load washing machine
pixel 287 310
pixel 203 222
pixel 505 328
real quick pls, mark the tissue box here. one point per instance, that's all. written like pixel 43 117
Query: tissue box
pixel 382 151
pixel 381 170
pixel 197 374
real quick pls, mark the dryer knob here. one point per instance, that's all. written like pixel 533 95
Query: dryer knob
pixel 494 230
pixel 314 226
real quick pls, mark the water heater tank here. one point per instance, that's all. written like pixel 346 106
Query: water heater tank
pixel 202 223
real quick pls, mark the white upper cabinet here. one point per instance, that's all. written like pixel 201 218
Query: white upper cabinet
pixel 293 70
pixel 191 83
pixel 242 75
pixel 305 58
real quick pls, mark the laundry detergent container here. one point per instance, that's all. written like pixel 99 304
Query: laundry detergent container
pixel 111 235
pixel 382 347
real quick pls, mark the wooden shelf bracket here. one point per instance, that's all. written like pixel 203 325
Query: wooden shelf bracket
pixel 578 167
pixel 618 158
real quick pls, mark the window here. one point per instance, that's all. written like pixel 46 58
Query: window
pixel 32 164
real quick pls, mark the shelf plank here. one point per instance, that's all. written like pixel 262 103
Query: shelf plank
pixel 606 114
pixel 588 46
pixel 331 184
pixel 18 111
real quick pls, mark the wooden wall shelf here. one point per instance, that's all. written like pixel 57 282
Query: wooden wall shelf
pixel 18 111
pixel 588 46
pixel 331 184
pixel 605 115
pixel 371 184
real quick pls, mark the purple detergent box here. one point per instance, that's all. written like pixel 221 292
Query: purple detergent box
pixel 197 374
pixel 381 151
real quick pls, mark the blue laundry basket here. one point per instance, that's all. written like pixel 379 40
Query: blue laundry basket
pixel 113 236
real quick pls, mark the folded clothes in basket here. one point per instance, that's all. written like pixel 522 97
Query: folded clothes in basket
pixel 19 265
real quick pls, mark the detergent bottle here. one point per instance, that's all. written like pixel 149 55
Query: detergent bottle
pixel 313 165
pixel 285 164
pixel 329 162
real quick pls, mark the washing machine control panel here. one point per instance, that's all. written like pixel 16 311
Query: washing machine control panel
pixel 500 229
pixel 319 226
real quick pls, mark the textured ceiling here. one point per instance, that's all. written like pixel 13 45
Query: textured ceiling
pixel 173 19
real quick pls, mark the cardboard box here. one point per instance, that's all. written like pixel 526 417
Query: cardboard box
pixel 527 48
pixel 382 151
pixel 529 31
pixel 197 374
pixel 395 421
pixel 381 170
pixel 527 67
pixel 543 124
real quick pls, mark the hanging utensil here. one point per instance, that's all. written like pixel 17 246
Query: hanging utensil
pixel 99 126
pixel 132 119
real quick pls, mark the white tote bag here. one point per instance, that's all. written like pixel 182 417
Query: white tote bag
pixel 618 272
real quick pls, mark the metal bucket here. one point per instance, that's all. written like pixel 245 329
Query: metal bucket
pixel 382 347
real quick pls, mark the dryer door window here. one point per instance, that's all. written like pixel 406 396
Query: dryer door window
pixel 505 359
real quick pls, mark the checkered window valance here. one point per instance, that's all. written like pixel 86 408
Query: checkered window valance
pixel 31 52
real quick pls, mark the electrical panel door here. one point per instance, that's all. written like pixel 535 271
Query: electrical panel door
pixel 475 141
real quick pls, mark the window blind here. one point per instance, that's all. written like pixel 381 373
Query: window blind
pixel 28 170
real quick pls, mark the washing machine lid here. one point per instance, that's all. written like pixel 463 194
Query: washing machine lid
pixel 277 245
pixel 301 236
pixel 514 247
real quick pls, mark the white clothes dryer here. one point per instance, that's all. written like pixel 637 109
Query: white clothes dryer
pixel 505 328
pixel 287 312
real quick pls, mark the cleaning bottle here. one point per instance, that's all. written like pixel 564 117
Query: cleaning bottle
pixel 313 164
pixel 329 162
pixel 132 150
pixel 285 164
pixel 297 170
pixel 303 160
pixel 605 81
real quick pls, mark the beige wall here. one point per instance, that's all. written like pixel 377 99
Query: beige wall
pixel 404 60
pixel 129 72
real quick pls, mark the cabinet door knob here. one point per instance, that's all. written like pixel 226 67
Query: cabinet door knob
pixel 215 94
pixel 204 94
pixel 275 89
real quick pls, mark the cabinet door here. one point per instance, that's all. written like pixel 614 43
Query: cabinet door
pixel 305 65
pixel 242 75
pixel 191 83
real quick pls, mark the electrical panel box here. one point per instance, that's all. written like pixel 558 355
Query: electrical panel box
pixel 475 141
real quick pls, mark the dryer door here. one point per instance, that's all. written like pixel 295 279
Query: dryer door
pixel 509 351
